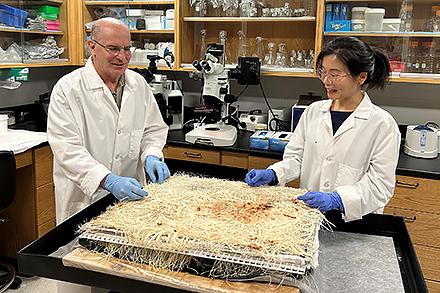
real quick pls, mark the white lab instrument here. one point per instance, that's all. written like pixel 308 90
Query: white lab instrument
pixel 221 125
pixel 421 141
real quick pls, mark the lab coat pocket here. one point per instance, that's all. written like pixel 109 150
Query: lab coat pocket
pixel 135 143
pixel 347 175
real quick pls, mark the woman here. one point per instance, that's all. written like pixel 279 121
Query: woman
pixel 344 149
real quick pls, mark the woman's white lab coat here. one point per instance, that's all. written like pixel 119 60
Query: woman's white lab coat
pixel 90 137
pixel 358 162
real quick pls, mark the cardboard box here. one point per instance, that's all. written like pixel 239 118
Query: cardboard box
pixel 279 140
pixel 260 139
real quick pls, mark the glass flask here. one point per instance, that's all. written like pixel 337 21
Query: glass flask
pixel 203 33
pixel 293 58
pixel 282 50
pixel 259 49
pixel 223 36
pixel 242 47
pixel 269 59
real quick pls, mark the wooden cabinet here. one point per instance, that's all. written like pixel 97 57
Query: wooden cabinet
pixel 144 36
pixel 32 212
pixel 17 36
pixel 44 190
pixel 417 200
pixel 193 155
pixel 408 35
pixel 222 158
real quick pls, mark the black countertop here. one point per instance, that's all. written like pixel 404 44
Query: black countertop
pixel 407 165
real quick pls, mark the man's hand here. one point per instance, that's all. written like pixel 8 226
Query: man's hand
pixel 124 188
pixel 324 201
pixel 260 177
pixel 156 169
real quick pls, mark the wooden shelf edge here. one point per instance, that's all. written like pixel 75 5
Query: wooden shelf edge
pixel 384 34
pixel 18 30
pixel 147 31
pixel 250 19
pixel 132 3
pixel 414 80
pixel 22 65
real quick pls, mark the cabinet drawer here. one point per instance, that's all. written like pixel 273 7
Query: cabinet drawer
pixel 236 160
pixel 193 155
pixel 45 203
pixel 23 159
pixel 260 163
pixel 429 261
pixel 433 286
pixel 416 194
pixel 43 166
pixel 424 228
pixel 45 227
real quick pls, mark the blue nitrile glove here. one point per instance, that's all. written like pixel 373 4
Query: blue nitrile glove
pixel 260 177
pixel 156 169
pixel 124 188
pixel 324 201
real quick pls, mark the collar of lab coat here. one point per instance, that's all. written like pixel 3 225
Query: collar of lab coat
pixel 362 111
pixel 95 81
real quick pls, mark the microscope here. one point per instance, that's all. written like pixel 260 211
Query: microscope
pixel 218 125
pixel 166 92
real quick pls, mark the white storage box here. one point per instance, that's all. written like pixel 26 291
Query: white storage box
pixel 3 123
pixel 154 22
pixel 134 12
pixel 374 19
pixel 391 24
pixel 154 12
pixel 169 13
pixel 358 12
pixel 358 25
pixel 169 24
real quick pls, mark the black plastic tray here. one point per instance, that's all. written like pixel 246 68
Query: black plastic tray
pixel 35 259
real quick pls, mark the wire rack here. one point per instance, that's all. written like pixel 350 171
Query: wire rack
pixel 287 263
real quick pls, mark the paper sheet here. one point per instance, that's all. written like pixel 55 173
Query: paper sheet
pixel 19 141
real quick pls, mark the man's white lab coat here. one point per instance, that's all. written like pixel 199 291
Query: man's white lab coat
pixel 358 162
pixel 90 137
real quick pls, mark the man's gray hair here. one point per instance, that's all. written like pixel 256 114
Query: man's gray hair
pixel 96 27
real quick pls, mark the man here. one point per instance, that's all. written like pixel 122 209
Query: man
pixel 104 126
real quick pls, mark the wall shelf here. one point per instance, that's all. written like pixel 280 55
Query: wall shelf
pixel 26 31
pixel 385 34
pixel 250 19
pixel 130 3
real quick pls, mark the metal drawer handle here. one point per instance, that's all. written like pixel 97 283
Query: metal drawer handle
pixel 193 155
pixel 410 219
pixel 407 185
pixel 407 219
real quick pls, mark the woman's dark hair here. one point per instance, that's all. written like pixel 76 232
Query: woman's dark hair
pixel 359 57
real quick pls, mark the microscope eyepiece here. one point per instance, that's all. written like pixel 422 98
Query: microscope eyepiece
pixel 205 65
pixel 197 65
